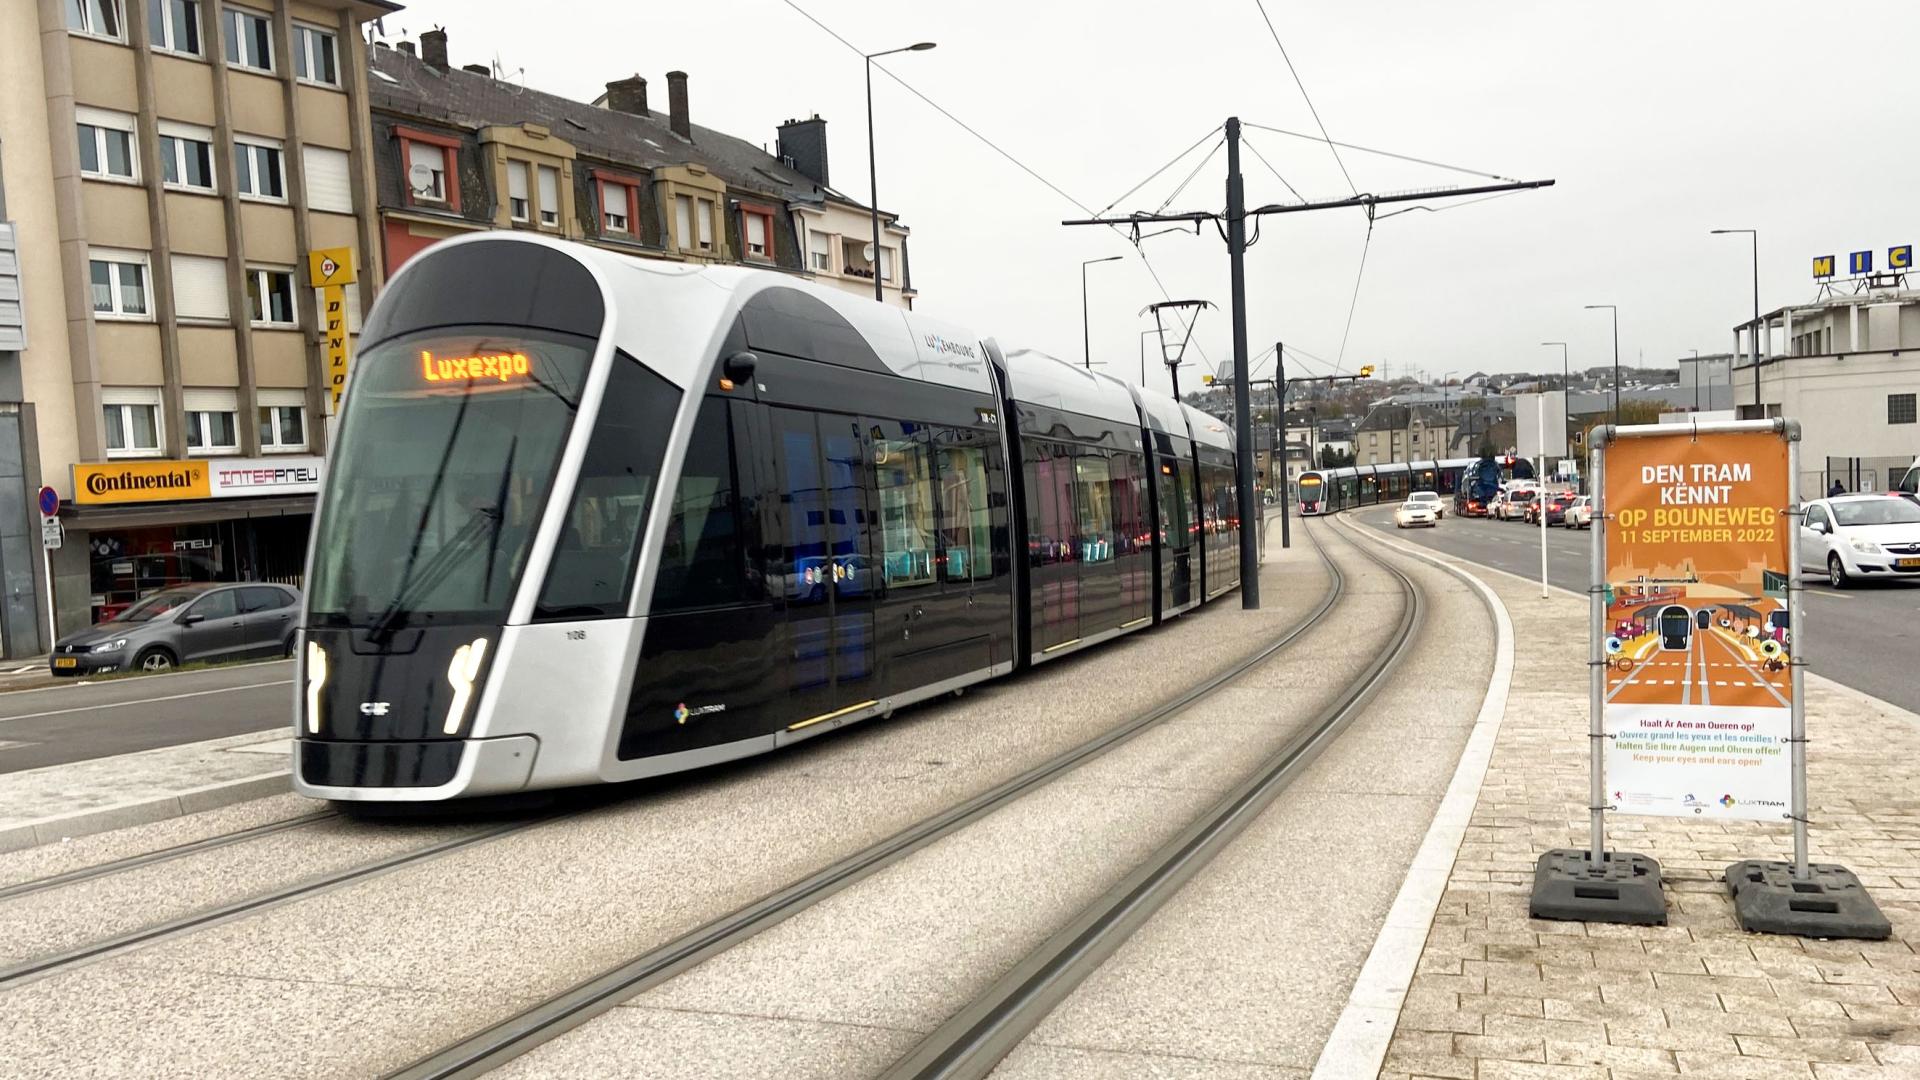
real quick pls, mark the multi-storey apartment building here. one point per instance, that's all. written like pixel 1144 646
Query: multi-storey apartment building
pixel 168 166
pixel 458 150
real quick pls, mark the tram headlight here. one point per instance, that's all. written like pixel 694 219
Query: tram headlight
pixel 461 671
pixel 316 678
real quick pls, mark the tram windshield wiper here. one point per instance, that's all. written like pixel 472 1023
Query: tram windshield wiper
pixel 485 522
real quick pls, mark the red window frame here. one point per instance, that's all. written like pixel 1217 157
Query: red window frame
pixel 606 178
pixel 765 213
pixel 450 157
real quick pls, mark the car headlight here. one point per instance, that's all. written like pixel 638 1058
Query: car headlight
pixel 110 646
pixel 1863 546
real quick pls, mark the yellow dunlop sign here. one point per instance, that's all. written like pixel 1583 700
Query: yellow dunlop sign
pixel 333 318
pixel 330 266
pixel 99 483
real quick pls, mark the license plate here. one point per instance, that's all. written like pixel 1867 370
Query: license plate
pixel 1907 564
pixel 69 661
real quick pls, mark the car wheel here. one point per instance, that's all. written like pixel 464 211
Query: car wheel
pixel 287 646
pixel 154 659
pixel 1836 572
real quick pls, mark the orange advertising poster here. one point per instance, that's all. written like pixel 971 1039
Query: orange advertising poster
pixel 1696 635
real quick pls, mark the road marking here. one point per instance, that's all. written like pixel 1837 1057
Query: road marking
pixel 143 701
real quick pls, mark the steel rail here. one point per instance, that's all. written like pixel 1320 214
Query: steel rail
pixel 199 920
pixel 167 854
pixel 973 1041
pixel 499 1043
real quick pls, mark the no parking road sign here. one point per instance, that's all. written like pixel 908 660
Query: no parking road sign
pixel 49 502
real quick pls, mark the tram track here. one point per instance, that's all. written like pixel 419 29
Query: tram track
pixel 973 1041
pixel 162 855
pixel 504 1041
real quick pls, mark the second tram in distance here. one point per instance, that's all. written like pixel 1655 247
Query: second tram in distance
pixel 1327 491
pixel 591 518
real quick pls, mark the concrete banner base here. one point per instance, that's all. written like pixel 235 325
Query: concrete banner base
pixel 1830 903
pixel 1623 888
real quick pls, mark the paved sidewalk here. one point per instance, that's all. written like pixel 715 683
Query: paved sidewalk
pixel 41 806
pixel 1499 995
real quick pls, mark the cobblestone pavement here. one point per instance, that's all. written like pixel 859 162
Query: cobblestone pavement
pixel 1499 996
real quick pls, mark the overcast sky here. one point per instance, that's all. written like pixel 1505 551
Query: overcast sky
pixel 1659 121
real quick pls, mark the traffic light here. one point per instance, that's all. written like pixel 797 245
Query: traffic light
pixel 1366 371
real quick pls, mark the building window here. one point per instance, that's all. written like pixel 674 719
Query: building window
pixel 212 421
pixel 517 205
pixel 614 208
pixel 106 145
pixel 282 427
pixel 101 18
pixel 186 157
pixel 314 53
pixel 683 221
pixel 756 230
pixel 549 196
pixel 270 297
pixel 174 25
pixel 132 422
pixel 820 251
pixel 694 218
pixel 427 172
pixel 249 40
pixel 886 264
pixel 1900 408
pixel 257 171
pixel 120 285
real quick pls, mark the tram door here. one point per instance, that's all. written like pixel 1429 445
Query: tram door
pixel 827 561
pixel 1179 572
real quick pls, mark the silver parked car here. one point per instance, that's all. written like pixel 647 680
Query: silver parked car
pixel 183 625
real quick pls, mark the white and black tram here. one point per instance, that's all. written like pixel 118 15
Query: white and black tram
pixel 590 518
pixel 1327 491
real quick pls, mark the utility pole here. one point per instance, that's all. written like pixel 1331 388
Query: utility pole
pixel 1242 404
pixel 1286 492
pixel 1236 221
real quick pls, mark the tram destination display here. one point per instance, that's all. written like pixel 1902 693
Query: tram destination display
pixel 1697 641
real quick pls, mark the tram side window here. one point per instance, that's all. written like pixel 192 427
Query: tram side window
pixel 1049 490
pixel 1127 504
pixel 701 564
pixel 1176 509
pixel 966 534
pixel 1093 477
pixel 595 563
pixel 903 476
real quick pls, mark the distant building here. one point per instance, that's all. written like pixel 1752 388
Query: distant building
pixel 1391 433
pixel 1848 368
pixel 457 150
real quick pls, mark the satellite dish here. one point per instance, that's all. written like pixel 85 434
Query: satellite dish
pixel 867 252
pixel 420 178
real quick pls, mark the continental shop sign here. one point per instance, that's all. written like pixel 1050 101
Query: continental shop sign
pixel 103 483
pixel 112 482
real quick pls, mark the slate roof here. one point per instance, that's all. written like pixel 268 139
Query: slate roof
pixel 408 84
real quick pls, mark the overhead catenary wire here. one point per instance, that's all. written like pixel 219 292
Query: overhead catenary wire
pixel 1196 172
pixel 1156 173
pixel 996 148
pixel 1262 158
pixel 1354 302
pixel 1383 153
pixel 1308 98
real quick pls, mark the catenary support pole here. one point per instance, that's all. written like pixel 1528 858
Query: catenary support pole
pixel 1280 443
pixel 1243 404
pixel 1540 411
pixel 1596 650
pixel 1797 660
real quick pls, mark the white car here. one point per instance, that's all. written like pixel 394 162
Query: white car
pixel 1861 536
pixel 1579 513
pixel 1413 512
pixel 1430 498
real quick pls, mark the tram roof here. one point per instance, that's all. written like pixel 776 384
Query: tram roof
pixel 1208 430
pixel 1035 378
pixel 1394 468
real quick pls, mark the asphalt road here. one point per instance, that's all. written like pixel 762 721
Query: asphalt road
pixel 1865 637
pixel 62 724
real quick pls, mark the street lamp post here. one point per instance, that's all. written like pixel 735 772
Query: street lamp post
pixel 1616 357
pixel 1754 332
pixel 1086 332
pixel 873 167
pixel 1143 356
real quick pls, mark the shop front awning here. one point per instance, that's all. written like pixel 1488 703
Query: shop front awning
pixel 134 516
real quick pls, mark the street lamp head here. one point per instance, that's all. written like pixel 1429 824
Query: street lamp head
pixel 1595 307
pixel 919 47
pixel 1723 232
pixel 1110 258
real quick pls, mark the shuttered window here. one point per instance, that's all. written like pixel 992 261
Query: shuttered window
pixel 613 198
pixel 549 195
pixel 517 191
pixel 200 288
pixel 329 180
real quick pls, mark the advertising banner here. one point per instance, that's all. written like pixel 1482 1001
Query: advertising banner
pixel 1698 689
pixel 101 483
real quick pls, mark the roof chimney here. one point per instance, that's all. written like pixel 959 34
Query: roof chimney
pixel 677 105
pixel 804 143
pixel 478 69
pixel 433 48
pixel 406 47
pixel 629 95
